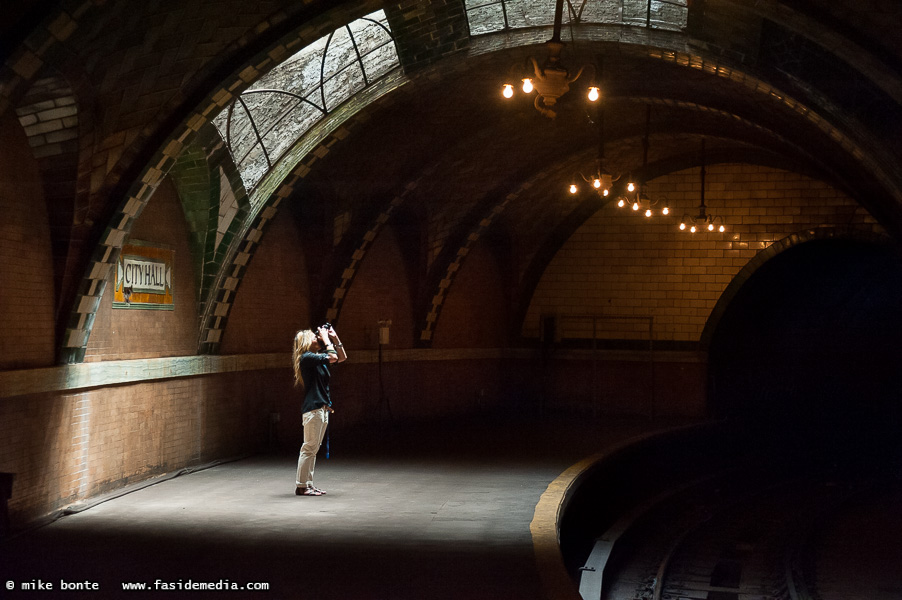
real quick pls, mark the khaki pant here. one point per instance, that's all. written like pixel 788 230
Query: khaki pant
pixel 315 423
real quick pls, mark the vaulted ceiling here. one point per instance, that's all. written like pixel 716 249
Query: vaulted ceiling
pixel 808 85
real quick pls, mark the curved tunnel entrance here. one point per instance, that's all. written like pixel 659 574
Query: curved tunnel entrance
pixel 807 355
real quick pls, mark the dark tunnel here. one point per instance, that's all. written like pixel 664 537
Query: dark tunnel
pixel 806 357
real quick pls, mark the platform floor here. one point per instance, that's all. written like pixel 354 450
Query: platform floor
pixel 414 512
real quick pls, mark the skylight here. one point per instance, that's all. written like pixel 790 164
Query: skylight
pixel 269 117
pixel 488 16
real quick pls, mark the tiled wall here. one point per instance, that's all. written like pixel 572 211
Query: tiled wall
pixel 128 333
pixel 273 301
pixel 476 313
pixel 620 263
pixel 26 268
pixel 65 447
pixel 381 291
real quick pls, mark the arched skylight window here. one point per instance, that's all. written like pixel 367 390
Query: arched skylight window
pixel 269 117
pixel 487 16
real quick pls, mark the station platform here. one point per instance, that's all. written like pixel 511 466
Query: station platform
pixel 412 511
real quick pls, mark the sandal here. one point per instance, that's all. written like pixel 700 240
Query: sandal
pixel 308 492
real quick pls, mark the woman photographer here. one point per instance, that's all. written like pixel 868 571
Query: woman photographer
pixel 313 353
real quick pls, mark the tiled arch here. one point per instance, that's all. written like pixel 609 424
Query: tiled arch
pixel 365 242
pixel 862 150
pixel 216 306
pixel 539 259
pixel 90 290
pixel 219 304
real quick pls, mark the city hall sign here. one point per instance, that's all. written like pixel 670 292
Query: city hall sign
pixel 144 277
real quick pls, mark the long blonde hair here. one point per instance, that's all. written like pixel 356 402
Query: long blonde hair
pixel 303 341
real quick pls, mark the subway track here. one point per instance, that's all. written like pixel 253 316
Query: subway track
pixel 745 533
pixel 709 544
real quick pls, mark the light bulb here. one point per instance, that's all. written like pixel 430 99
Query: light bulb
pixel 722 229
pixel 692 229
pixel 605 193
pixel 594 94
pixel 630 187
pixel 597 183
pixel 682 227
pixel 647 212
pixel 573 188
pixel 635 206
pixel 508 91
pixel 710 226
pixel 527 85
pixel 620 203
pixel 665 211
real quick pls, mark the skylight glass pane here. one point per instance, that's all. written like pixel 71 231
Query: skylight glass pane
pixel 330 66
pixel 242 134
pixel 280 139
pixel 339 54
pixel 343 85
pixel 529 13
pixel 299 74
pixel 253 168
pixel 634 12
pixel 668 15
pixel 486 19
pixel 597 12
pixel 380 61
pixel 269 110
pixel 369 35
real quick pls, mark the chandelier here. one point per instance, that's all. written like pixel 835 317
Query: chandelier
pixel 640 201
pixel 552 79
pixel 702 221
pixel 601 180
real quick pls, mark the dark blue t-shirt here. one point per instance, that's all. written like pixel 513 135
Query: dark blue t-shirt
pixel 315 373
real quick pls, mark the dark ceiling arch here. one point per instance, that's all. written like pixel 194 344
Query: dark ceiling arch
pixel 672 51
pixel 839 36
pixel 147 160
pixel 592 203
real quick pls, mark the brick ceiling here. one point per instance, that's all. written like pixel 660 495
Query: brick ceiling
pixel 812 85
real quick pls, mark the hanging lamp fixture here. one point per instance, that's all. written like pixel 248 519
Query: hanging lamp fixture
pixel 600 180
pixel 552 79
pixel 702 221
pixel 636 195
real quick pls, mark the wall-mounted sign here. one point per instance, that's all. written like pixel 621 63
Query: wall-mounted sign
pixel 144 277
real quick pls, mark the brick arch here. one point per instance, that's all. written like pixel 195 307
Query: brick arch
pixel 206 179
pixel 444 275
pixel 26 62
pixel 215 307
pixel 858 232
pixel 363 245
pixel 109 243
pixel 445 271
pixel 51 117
pixel 561 233
pixel 278 187
pixel 335 130
pixel 865 151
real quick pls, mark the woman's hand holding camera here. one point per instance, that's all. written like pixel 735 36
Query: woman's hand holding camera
pixel 331 342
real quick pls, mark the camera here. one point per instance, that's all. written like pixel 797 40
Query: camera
pixel 326 326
